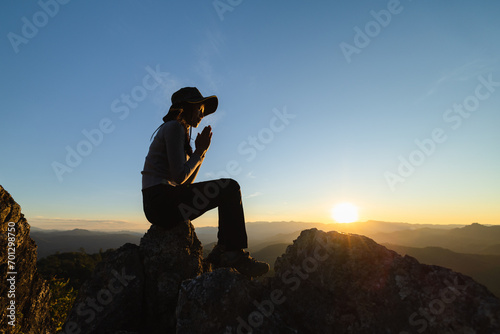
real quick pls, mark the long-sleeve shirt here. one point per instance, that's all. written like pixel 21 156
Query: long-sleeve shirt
pixel 167 161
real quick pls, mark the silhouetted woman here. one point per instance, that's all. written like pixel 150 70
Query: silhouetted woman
pixel 170 195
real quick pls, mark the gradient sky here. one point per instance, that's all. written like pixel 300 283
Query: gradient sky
pixel 393 106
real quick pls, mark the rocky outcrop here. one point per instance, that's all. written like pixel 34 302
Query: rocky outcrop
pixel 333 282
pixel 24 294
pixel 135 289
pixel 339 283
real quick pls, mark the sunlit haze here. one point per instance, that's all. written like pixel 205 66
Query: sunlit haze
pixel 392 105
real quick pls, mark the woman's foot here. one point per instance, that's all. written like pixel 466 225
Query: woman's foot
pixel 239 260
pixel 215 254
pixel 244 263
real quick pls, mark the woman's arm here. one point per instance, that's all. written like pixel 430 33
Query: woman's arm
pixel 202 143
pixel 193 176
pixel 180 169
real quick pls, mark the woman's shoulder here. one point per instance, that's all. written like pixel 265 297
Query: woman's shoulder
pixel 172 124
pixel 172 128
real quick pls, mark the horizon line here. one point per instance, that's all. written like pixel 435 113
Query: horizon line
pixel 36 226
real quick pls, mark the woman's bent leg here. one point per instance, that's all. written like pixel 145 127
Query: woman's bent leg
pixel 232 231
pixel 225 194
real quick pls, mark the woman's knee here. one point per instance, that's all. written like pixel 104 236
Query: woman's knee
pixel 230 185
pixel 229 188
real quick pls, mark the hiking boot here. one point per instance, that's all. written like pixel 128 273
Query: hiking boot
pixel 244 263
pixel 215 255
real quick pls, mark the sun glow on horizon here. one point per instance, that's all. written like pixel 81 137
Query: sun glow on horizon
pixel 345 213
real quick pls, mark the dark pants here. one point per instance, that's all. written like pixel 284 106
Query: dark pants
pixel 166 206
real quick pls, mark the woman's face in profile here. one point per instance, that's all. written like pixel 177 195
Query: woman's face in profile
pixel 193 113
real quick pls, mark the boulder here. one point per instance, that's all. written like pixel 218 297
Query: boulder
pixel 224 301
pixel 169 257
pixel 22 288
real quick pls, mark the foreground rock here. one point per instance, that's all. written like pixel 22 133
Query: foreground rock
pixel 25 288
pixel 136 288
pixel 169 257
pixel 224 301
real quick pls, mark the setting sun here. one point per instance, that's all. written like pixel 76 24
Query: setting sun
pixel 345 213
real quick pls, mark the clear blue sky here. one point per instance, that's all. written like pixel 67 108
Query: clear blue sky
pixel 393 106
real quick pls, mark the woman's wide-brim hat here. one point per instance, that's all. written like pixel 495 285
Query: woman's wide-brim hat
pixel 193 95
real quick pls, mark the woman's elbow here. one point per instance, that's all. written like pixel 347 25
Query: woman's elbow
pixel 179 177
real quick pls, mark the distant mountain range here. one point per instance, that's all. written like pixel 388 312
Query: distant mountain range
pixel 474 239
pixel 264 232
pixel 50 242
